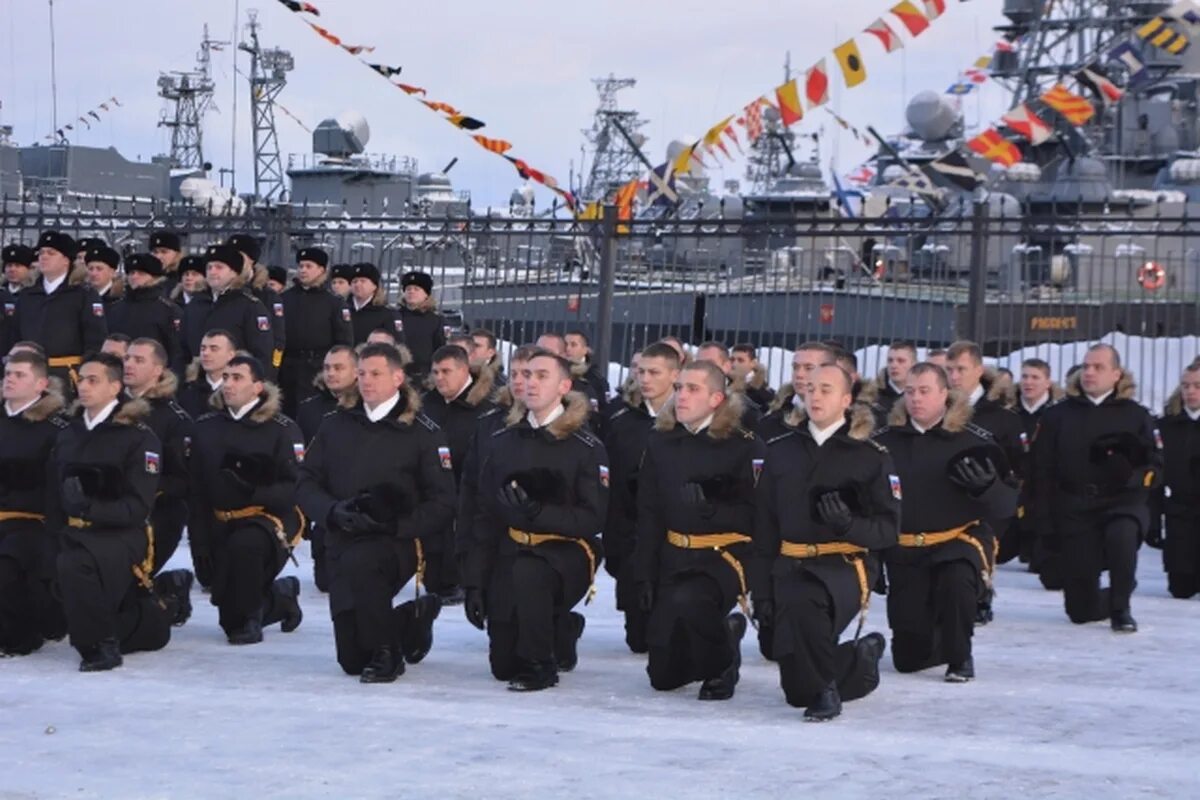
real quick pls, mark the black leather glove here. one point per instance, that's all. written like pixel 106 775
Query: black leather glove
pixel 645 595
pixel 1154 536
pixel 474 609
pixel 764 612
pixel 512 496
pixel 692 494
pixel 345 518
pixel 74 502
pixel 834 512
pixel 973 475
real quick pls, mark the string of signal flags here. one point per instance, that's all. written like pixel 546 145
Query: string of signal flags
pixel 792 100
pixel 85 119
pixel 445 111
pixel 1036 121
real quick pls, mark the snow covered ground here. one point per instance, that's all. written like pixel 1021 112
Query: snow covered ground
pixel 1057 711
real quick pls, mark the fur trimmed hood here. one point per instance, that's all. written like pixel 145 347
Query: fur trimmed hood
pixel 1014 395
pixel 633 395
pixel 575 417
pixel 128 411
pixel 782 398
pixel 165 389
pixel 347 399
pixel 1125 389
pixel 958 413
pixel 426 306
pixel 862 421
pixel 177 292
pixel 49 404
pixel 259 277
pixel 726 419
pixel 266 410
pixel 757 379
pixel 483 385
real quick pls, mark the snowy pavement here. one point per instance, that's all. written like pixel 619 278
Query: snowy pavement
pixel 1057 711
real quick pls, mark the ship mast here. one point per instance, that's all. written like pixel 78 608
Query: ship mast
pixel 770 155
pixel 268 76
pixel 191 95
pixel 615 159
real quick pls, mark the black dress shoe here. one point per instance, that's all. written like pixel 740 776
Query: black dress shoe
pixel 534 677
pixel 104 656
pixel 287 590
pixel 961 673
pixel 1123 622
pixel 384 667
pixel 175 587
pixel 569 656
pixel 250 633
pixel 827 705
pixel 722 687
pixel 415 623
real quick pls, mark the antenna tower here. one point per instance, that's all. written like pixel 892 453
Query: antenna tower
pixel 614 161
pixel 268 76
pixel 191 94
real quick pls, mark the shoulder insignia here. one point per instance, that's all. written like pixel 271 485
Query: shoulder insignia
pixel 207 415
pixel 780 437
pixel 178 410
pixel 878 447
pixel 60 422
pixel 620 413
pixel 587 437
pixel 982 433
pixel 879 432
pixel 745 433
pixel 490 412
pixel 429 424
pixel 282 420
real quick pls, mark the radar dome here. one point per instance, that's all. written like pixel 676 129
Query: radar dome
pixel 345 135
pixel 931 116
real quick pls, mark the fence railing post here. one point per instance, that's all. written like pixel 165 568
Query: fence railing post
pixel 977 288
pixel 608 278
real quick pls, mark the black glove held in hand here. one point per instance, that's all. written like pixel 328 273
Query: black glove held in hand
pixel 474 608
pixel 74 501
pixel 834 512
pixel 346 519
pixel 512 496
pixel 764 612
pixel 974 476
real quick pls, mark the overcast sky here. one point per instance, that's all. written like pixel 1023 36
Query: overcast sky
pixel 522 66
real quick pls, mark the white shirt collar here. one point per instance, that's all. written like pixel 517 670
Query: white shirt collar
pixel 1098 400
pixel 14 412
pixel 383 409
pixel 13 288
pixel 52 285
pixel 798 401
pixel 976 395
pixel 921 429
pixel 558 411
pixel 238 413
pixel 1192 415
pixel 649 410
pixel 1041 401
pixel 895 388
pixel 357 305
pixel 463 390
pixel 211 385
pixel 822 436
pixel 704 423
pixel 104 414
pixel 105 290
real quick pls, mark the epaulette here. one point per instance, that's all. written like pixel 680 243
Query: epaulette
pixel 282 420
pixel 878 447
pixel 982 433
pixel 780 437
pixel 429 424
pixel 745 433
pixel 178 410
pixel 207 415
pixel 879 432
pixel 59 421
pixel 490 412
pixel 619 413
pixel 587 437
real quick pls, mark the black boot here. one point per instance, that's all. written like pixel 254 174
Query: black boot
pixel 869 650
pixel 24 647
pixel 721 687
pixel 175 588
pixel 983 610
pixel 384 666
pixel 827 705
pixel 104 656
pixel 1123 621
pixel 249 633
pixel 569 657
pixel 287 595
pixel 961 673
pixel 415 624
pixel 534 677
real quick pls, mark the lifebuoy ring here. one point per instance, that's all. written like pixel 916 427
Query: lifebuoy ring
pixel 1151 276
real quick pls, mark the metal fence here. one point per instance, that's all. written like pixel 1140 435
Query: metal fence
pixel 772 276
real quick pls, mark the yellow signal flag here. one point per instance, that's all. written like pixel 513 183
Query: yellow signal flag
pixel 850 60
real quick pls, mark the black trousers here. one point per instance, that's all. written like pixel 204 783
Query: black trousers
pixel 1181 556
pixel 365 577
pixel 693 608
pixel 816 658
pixel 296 374
pixel 931 610
pixel 136 621
pixel 29 612
pixel 541 618
pixel 1111 545
pixel 627 603
pixel 441 567
pixel 246 564
pixel 167 518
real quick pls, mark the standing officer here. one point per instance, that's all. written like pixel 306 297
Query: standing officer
pixel 105 469
pixel 227 306
pixel 1096 458
pixel 818 558
pixel 625 438
pixel 954 478
pixel 144 312
pixel 167 247
pixel 339 280
pixel 456 402
pixel 148 378
pixel 243 472
pixel 17 261
pixel 32 419
pixel 1179 537
pixel 806 359
pixel 423 327
pixel 380 478
pixel 256 277
pixel 368 304
pixel 320 320
pixel 1036 393
pixel 59 311
pixel 695 519
pixel 543 496
pixel 888 387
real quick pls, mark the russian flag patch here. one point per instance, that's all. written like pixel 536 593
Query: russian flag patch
pixel 894 482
